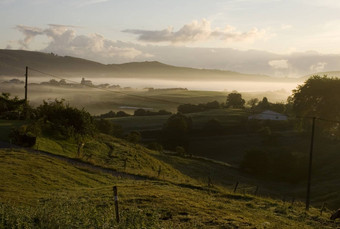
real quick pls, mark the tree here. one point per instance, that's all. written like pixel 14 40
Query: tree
pixel 319 97
pixel 175 131
pixel 235 100
pixel 253 102
pixel 134 137
pixel 263 105
pixel 67 121
pixel 11 108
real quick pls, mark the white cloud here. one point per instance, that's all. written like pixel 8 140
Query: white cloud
pixel 197 31
pixel 65 41
pixel 319 67
pixel 279 64
pixel 29 32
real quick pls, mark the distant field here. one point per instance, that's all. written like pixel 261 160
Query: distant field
pixel 227 117
pixel 98 101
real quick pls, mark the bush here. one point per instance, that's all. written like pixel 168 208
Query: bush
pixel 176 130
pixel 134 137
pixel 23 137
pixel 155 146
pixel 69 121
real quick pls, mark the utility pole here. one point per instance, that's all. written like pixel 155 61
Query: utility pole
pixel 310 166
pixel 26 76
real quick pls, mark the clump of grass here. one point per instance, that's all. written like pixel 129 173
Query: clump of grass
pixel 70 214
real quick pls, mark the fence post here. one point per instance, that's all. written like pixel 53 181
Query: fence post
pixel 115 193
pixel 235 188
pixel 256 190
pixel 323 208
pixel 209 182
pixel 159 171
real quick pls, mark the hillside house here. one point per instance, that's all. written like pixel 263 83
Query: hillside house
pixel 86 82
pixel 269 115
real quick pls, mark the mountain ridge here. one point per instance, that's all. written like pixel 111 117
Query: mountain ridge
pixel 13 63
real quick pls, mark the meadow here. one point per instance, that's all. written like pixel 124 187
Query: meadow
pixel 44 192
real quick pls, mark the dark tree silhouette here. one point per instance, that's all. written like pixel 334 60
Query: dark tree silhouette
pixel 235 100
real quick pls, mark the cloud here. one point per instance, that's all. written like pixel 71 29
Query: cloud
pixel 29 33
pixel 279 64
pixel 319 67
pixel 64 40
pixel 197 31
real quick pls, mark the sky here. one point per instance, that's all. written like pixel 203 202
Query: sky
pixel 281 38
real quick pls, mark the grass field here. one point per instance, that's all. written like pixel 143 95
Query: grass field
pixel 179 174
pixel 227 118
pixel 41 192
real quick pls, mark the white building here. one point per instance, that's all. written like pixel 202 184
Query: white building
pixel 269 115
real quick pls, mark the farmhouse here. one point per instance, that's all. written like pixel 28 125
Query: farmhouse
pixel 86 82
pixel 268 115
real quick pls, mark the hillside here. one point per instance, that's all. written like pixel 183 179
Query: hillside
pixel 43 192
pixel 13 62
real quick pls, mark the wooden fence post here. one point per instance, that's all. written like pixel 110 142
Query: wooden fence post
pixel 209 182
pixel 115 193
pixel 256 190
pixel 159 171
pixel 235 188
pixel 322 208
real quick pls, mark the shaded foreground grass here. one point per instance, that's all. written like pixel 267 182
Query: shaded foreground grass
pixel 41 192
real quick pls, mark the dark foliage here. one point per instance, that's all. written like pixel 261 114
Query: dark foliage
pixel 69 121
pixel 191 108
pixel 176 131
pixel 319 97
pixel 112 114
pixel 283 166
pixel 107 127
pixel 234 100
pixel 12 108
pixel 143 112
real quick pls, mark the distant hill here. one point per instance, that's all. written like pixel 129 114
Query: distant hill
pixel 329 74
pixel 13 62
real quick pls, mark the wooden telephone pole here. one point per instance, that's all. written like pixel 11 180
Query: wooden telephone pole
pixel 310 166
pixel 26 76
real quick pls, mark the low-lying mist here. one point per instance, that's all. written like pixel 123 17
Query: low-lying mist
pixel 102 100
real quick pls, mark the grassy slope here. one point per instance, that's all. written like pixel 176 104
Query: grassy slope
pixel 45 192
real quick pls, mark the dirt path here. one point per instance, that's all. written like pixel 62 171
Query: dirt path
pixel 82 164
pixel 76 162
